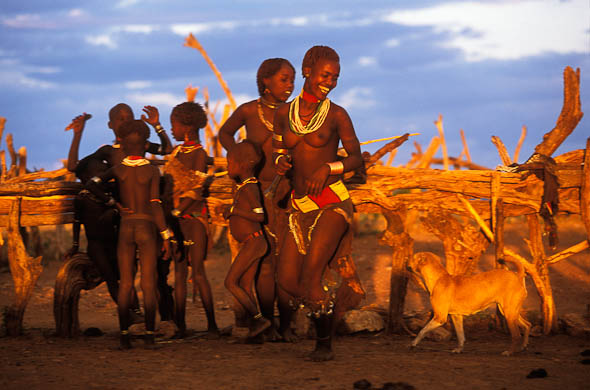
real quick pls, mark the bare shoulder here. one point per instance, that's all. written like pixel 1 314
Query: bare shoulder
pixel 338 111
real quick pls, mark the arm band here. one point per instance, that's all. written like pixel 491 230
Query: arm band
pixel 96 179
pixel 166 234
pixel 277 137
pixel 336 167
pixel 280 151
pixel 258 210
pixel 175 213
pixel 156 200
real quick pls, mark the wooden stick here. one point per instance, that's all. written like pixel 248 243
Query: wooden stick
pixel 391 157
pixel 441 133
pixel 22 161
pixel 495 191
pixel 519 145
pixel 430 151
pixel 501 150
pixel 2 124
pixel 191 41
pixel 482 224
pixel 564 254
pixel 465 147
pixel 499 231
pixel 191 93
pixel 387 139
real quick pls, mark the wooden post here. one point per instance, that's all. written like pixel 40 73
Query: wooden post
pixel 585 190
pixel 24 269
pixel 539 261
pixel 499 231
pixel 76 274
pixel 402 246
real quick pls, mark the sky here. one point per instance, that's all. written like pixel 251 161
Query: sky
pixel 488 67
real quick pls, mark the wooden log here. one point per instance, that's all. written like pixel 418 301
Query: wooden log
pixel 56 204
pixel 430 151
pixel 39 175
pixel 402 246
pixel 499 231
pixel 585 191
pixel 387 148
pixel 570 116
pixel 24 270
pixel 76 274
pixel 458 163
pixel 539 260
pixel 47 188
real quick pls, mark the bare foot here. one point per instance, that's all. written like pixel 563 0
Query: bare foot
pixel 322 353
pixel 288 336
pixel 258 326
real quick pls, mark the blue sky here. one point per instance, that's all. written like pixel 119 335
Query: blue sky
pixel 488 67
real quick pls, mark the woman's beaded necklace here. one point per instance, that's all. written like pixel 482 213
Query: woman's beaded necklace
pixel 314 123
pixel 189 146
pixel 266 123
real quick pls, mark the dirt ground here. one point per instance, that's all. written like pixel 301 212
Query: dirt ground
pixel 38 360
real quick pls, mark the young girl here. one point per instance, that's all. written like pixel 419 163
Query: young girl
pixel 245 222
pixel 186 168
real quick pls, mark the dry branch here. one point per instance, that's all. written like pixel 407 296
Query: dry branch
pixel 501 150
pixel 570 115
pixel 585 190
pixel 519 145
pixel 441 133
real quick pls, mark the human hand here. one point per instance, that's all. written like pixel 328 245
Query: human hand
pixel 78 123
pixel 153 116
pixel 123 210
pixel 167 250
pixel 283 165
pixel 227 211
pixel 317 182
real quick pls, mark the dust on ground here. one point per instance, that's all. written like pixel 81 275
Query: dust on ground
pixel 38 360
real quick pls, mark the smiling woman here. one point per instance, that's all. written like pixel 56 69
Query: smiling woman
pixel 308 130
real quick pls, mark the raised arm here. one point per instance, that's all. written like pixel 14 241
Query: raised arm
pixel 77 126
pixel 152 117
pixel 230 128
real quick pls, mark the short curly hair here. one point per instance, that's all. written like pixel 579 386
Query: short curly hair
pixel 269 68
pixel 190 114
pixel 134 127
pixel 317 53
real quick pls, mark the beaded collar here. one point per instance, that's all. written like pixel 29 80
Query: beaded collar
pixel 316 121
pixel 135 161
pixel 189 146
pixel 266 123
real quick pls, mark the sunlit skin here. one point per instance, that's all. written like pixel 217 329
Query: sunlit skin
pixel 194 230
pixel 140 216
pixel 278 88
pixel 300 275
pixel 243 222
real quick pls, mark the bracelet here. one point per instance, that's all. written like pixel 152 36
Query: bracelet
pixel 166 234
pixel 336 167
pixel 277 137
pixel 158 128
pixel 280 150
pixel 75 243
pixel 111 202
pixel 277 158
pixel 175 213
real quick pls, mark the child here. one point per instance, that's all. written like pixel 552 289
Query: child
pixel 246 216
pixel 138 183
pixel 118 115
pixel 186 174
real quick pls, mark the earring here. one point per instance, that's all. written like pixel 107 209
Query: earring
pixel 266 90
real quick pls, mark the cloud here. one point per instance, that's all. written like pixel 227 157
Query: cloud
pixel 393 42
pixel 156 99
pixel 357 97
pixel 126 3
pixel 138 28
pixel 184 29
pixel 367 61
pixel 505 30
pixel 138 84
pixel 14 73
pixel 101 40
pixel 76 13
pixel 28 21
